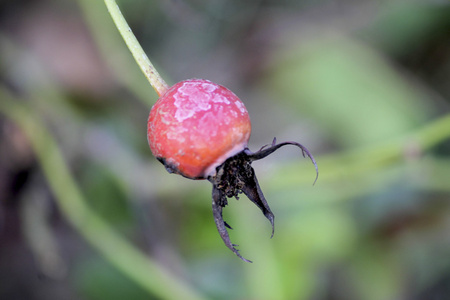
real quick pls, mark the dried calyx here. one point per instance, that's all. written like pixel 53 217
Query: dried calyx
pixel 236 176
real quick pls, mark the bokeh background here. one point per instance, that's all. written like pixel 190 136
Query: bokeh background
pixel 365 85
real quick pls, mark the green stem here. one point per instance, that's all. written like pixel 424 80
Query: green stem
pixel 114 51
pixel 139 55
pixel 147 273
pixel 357 161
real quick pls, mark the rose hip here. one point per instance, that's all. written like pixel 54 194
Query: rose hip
pixel 200 130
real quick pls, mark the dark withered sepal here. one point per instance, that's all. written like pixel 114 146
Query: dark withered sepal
pixel 233 177
pixel 236 176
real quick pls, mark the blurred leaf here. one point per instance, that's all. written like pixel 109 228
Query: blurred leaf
pixel 321 233
pixel 376 273
pixel 310 239
pixel 215 275
pixel 349 90
pixel 97 280
pixel 403 27
pixel 106 193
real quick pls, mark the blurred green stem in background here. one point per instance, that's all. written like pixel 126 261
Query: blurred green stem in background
pixel 139 55
pixel 354 162
pixel 145 272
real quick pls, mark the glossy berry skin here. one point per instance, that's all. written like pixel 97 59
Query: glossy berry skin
pixel 195 126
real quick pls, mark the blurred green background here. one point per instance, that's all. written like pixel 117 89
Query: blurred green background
pixel 365 85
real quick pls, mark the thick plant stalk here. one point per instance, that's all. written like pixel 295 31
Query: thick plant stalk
pixel 139 55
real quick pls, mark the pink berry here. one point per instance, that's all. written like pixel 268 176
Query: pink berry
pixel 200 130
pixel 196 125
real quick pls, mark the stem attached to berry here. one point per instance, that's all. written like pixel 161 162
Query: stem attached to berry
pixel 139 55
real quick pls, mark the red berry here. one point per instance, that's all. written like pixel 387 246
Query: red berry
pixel 200 130
pixel 196 125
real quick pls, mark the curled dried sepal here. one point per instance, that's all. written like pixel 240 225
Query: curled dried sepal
pixel 267 150
pixel 219 201
pixel 236 176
